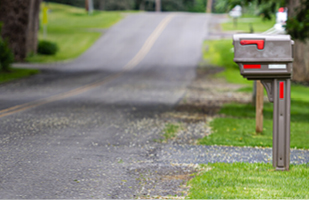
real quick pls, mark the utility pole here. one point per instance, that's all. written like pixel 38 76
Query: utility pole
pixel 158 5
pixel 209 6
pixel 89 6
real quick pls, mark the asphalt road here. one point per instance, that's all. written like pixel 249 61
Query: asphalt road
pixel 80 129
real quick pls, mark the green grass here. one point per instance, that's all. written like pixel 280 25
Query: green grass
pixel 241 132
pixel 219 53
pixel 238 127
pixel 250 181
pixel 70 28
pixel 170 130
pixel 16 73
pixel 245 22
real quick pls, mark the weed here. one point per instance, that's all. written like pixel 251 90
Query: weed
pixel 170 131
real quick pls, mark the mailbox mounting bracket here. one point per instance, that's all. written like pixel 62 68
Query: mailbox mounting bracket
pixel 269 86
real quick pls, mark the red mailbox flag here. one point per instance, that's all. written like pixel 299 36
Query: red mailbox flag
pixel 259 43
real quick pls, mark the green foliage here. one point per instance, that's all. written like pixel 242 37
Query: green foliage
pixel 221 6
pixel 76 3
pixel 6 55
pixel 166 5
pixel 249 181
pixel 197 6
pixel 298 25
pixel 47 47
pixel 172 5
pixel 178 5
pixel 266 8
pixel 118 5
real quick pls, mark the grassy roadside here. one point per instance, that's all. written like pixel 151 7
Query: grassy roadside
pixel 73 30
pixel 16 73
pixel 247 22
pixel 249 181
pixel 236 127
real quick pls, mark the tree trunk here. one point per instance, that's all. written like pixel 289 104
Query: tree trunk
pixel 301 61
pixel 209 6
pixel 142 5
pixel 87 5
pixel 301 50
pixel 20 25
pixel 158 5
pixel 33 27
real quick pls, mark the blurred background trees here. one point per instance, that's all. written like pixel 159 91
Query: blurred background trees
pixel 147 5
pixel 20 20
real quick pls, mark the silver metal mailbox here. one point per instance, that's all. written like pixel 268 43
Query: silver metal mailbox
pixel 269 58
pixel 263 56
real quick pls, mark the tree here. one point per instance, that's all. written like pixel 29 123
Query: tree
pixel 20 20
pixel 140 4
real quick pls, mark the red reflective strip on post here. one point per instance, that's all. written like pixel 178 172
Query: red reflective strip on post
pixel 259 43
pixel 252 66
pixel 281 90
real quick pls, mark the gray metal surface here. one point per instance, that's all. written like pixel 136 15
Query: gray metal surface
pixel 270 60
pixel 281 125
pixel 277 48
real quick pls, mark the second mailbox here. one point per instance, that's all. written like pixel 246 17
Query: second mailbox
pixel 263 56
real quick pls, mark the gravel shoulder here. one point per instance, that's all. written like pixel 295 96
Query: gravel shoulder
pixel 203 98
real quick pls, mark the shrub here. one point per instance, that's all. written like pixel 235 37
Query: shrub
pixel 47 48
pixel 6 54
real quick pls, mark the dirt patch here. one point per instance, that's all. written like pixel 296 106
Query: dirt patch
pixel 163 181
pixel 206 94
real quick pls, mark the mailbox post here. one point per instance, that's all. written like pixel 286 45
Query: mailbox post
pixel 269 58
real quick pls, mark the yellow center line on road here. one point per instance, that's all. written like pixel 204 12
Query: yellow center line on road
pixel 149 43
pixel 131 65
